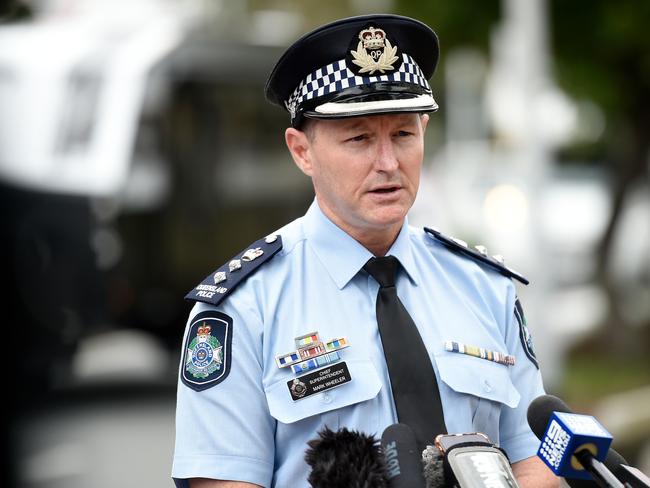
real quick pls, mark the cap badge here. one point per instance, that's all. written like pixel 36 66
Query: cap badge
pixel 374 52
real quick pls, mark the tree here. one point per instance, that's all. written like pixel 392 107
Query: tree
pixel 602 52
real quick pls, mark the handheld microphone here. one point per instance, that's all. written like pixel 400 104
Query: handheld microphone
pixel 540 414
pixel 345 458
pixel 470 461
pixel 402 457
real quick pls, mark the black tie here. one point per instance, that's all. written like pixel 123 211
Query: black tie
pixel 412 379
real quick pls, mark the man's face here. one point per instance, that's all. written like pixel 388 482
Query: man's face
pixel 366 170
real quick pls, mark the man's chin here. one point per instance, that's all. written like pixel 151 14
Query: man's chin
pixel 388 217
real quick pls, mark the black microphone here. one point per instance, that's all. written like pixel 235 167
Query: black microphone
pixel 470 461
pixel 345 458
pixel 403 460
pixel 539 414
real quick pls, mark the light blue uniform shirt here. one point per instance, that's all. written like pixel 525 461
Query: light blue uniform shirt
pixel 248 428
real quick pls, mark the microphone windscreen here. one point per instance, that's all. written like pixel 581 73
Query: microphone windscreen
pixel 540 411
pixel 345 458
pixel 434 468
pixel 402 457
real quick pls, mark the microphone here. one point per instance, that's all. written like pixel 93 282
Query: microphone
pixel 434 468
pixel 345 458
pixel 470 461
pixel 615 468
pixel 402 458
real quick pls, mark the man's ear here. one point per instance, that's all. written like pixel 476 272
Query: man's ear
pixel 424 120
pixel 300 149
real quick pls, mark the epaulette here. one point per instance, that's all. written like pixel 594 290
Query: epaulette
pixel 218 285
pixel 479 253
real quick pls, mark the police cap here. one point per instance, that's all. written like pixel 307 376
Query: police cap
pixel 361 65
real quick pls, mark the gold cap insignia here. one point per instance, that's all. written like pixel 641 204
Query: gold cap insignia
pixel 374 52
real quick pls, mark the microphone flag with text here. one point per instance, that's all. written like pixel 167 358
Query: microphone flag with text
pixel 578 448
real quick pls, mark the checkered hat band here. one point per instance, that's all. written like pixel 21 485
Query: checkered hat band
pixel 336 77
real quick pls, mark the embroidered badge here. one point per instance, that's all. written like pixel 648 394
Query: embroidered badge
pixel 208 291
pixel 479 352
pixel 374 53
pixel 524 334
pixel 207 351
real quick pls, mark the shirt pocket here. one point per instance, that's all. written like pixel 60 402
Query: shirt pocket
pixel 485 386
pixel 364 385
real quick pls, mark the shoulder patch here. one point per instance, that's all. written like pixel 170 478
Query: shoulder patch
pixel 479 253
pixel 524 333
pixel 218 285
pixel 207 350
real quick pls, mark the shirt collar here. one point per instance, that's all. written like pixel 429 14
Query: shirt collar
pixel 342 255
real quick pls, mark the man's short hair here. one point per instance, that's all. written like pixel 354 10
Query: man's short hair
pixel 308 126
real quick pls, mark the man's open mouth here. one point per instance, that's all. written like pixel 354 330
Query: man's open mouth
pixel 386 190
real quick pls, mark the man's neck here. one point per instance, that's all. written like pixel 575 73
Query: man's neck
pixel 377 241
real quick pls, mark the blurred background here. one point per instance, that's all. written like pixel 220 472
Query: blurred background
pixel 137 154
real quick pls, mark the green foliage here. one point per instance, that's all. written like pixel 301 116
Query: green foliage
pixel 602 51
pixel 14 11
pixel 592 376
pixel 457 23
pixel 460 23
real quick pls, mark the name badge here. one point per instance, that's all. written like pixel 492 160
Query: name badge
pixel 319 381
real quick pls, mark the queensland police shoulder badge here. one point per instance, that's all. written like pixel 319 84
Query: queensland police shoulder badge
pixel 207 351
pixel 524 334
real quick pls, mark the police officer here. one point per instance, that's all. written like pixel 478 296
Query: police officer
pixel 348 316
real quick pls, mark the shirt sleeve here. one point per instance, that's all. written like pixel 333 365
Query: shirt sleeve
pixel 516 437
pixel 225 431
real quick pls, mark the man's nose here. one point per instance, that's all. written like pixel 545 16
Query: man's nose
pixel 385 156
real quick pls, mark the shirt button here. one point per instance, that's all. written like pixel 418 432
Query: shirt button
pixel 327 398
pixel 487 386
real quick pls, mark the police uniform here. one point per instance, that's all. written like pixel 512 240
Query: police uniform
pixel 283 338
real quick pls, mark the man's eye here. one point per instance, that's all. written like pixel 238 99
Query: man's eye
pixel 404 133
pixel 359 138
